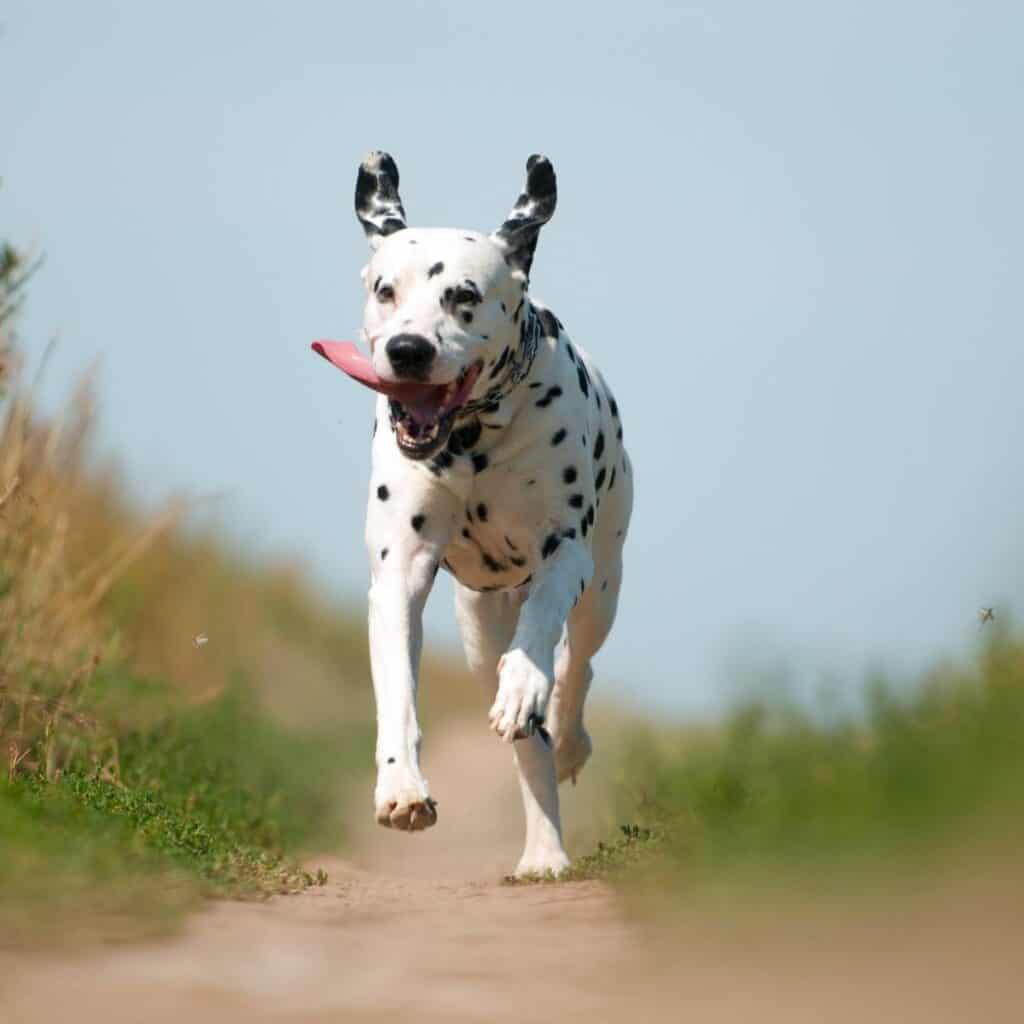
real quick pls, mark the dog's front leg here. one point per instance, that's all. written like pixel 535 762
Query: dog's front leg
pixel 406 547
pixel 525 681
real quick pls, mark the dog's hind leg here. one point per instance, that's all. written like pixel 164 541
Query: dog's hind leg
pixel 487 623
pixel 587 629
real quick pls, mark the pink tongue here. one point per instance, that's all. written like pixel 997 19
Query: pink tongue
pixel 346 356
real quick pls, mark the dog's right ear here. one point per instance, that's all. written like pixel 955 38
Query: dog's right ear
pixel 378 204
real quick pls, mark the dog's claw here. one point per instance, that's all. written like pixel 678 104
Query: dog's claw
pixel 534 724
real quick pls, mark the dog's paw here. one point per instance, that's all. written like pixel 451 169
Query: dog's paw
pixel 405 805
pixel 572 752
pixel 522 700
pixel 542 864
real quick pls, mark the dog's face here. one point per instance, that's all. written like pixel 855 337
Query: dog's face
pixel 444 305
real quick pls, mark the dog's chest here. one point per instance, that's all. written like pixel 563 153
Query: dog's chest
pixel 496 546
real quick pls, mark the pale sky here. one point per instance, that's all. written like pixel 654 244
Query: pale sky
pixel 790 234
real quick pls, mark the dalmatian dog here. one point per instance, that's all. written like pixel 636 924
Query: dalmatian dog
pixel 498 457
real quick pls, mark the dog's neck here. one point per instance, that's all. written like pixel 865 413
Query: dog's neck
pixel 506 375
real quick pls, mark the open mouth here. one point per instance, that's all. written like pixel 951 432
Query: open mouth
pixel 422 414
pixel 423 418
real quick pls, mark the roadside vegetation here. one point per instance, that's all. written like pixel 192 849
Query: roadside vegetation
pixel 174 722
pixel 924 780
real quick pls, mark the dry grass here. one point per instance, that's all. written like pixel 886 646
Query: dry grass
pixel 54 627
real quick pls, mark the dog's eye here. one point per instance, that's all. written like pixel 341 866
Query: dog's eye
pixel 385 293
pixel 465 295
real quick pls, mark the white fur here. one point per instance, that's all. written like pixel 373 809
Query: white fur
pixel 511 636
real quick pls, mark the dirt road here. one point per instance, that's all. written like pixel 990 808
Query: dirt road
pixel 420 928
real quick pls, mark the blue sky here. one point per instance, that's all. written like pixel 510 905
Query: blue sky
pixel 791 234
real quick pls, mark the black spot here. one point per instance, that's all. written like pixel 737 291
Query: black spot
pixel 619 533
pixel 374 434
pixel 530 483
pixel 583 586
pixel 550 545
pixel 613 406
pixel 467 317
pixel 504 308
pixel 469 434
pixel 549 396
pixel 549 322
pixel 582 376
pixel 498 366
pixel 590 515
pixel 376 284
pixel 570 353
pixel 383 553
pixel 437 565
pixel 508 541
pixel 537 384
pixel 383 493
pixel 599 479
pixel 481 512
pixel 599 445
pixel 527 580
pixel 518 561
pixel 576 500
pixel 619 434
pixel 468 238
pixel 584 526
pixel 435 269
pixel 479 462
pixel 604 586
pixel 491 564
pixel 570 533
pixel 441 461
pixel 465 533
pixel 515 315
pixel 391 760
pixel 558 436
pixel 417 522
pixel 611 482
pixel 413 241
pixel 597 398
pixel 569 474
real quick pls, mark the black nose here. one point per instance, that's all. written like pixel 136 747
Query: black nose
pixel 410 354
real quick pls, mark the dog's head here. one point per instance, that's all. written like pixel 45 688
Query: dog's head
pixel 444 308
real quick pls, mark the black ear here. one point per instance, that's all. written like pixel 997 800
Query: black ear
pixel 378 204
pixel 533 209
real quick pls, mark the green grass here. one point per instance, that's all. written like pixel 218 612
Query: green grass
pixel 215 800
pixel 775 792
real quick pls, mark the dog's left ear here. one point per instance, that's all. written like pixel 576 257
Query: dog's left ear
pixel 378 204
pixel 533 209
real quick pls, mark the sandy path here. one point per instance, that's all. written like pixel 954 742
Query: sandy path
pixel 419 928
pixel 410 925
